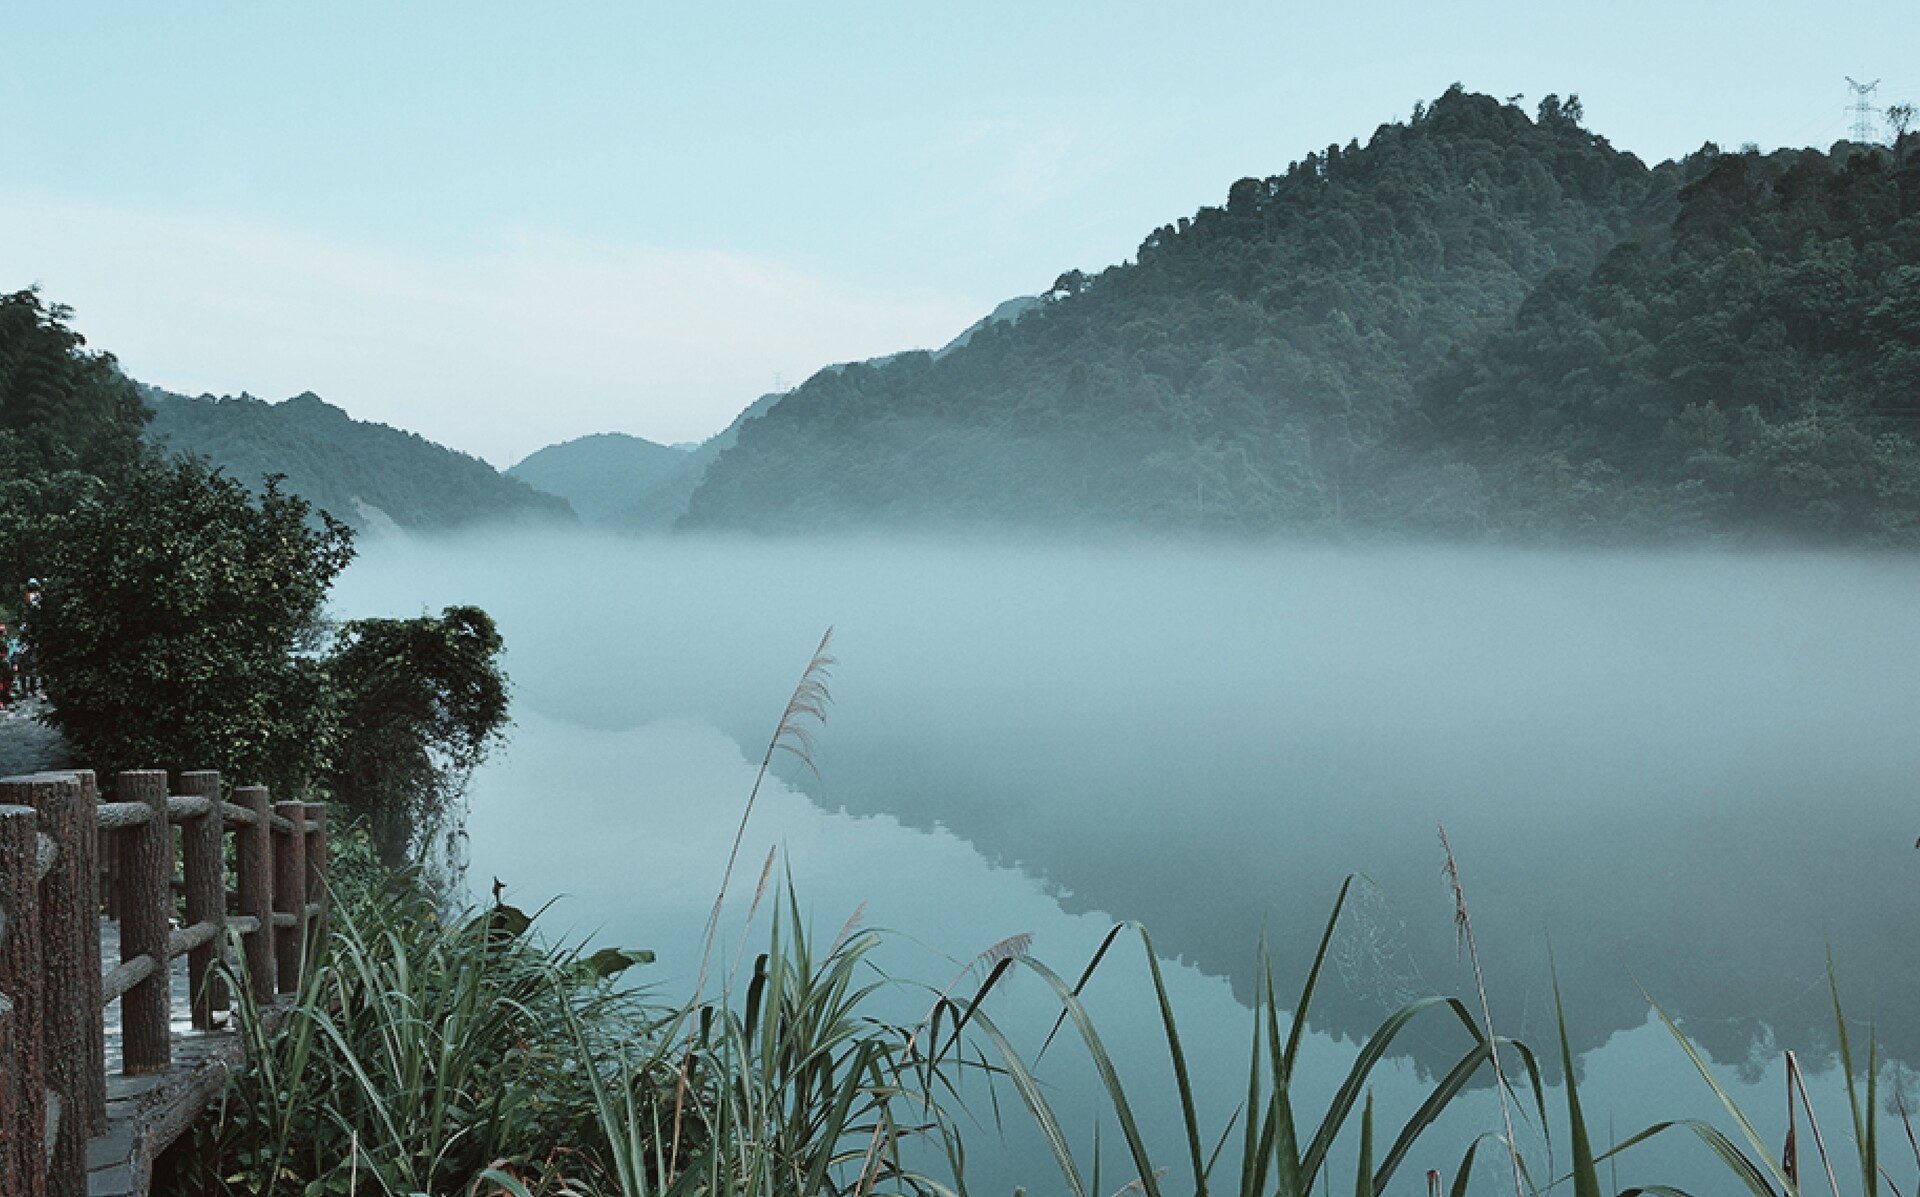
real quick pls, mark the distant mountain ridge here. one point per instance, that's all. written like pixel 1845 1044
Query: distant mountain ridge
pixel 1483 324
pixel 1245 372
pixel 603 475
pixel 370 476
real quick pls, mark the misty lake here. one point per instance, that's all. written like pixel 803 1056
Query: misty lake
pixel 1689 776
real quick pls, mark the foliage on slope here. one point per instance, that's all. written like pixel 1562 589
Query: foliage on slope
pixel 179 624
pixel 69 420
pixel 602 475
pixel 338 463
pixel 1751 371
pixel 1244 372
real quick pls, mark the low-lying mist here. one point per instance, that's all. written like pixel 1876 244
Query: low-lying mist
pixel 1692 772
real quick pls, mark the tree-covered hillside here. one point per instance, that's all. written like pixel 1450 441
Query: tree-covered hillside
pixel 602 475
pixel 1480 325
pixel 1751 371
pixel 70 424
pixel 355 471
pixel 1246 371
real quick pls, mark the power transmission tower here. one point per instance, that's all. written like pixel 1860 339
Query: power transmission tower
pixel 1863 110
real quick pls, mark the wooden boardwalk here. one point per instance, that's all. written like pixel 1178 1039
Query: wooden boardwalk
pixel 146 1113
pixel 114 1033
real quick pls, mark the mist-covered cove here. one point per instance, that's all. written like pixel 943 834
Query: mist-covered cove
pixel 1690 773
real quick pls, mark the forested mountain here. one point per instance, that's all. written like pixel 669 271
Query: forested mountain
pixel 663 505
pixel 662 498
pixel 1751 370
pixel 1242 372
pixel 361 473
pixel 62 408
pixel 603 475
pixel 1343 349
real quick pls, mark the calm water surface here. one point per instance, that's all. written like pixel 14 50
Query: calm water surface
pixel 1688 776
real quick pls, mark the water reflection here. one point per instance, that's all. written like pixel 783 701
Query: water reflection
pixel 1691 774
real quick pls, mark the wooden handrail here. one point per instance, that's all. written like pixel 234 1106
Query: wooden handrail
pixel 52 989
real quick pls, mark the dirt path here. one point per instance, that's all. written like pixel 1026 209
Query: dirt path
pixel 26 744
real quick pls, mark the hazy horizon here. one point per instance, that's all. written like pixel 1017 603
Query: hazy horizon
pixel 502 231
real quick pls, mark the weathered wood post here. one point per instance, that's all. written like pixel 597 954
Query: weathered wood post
pixel 290 892
pixel 9 1068
pixel 317 867
pixel 69 962
pixel 146 862
pixel 23 1099
pixel 95 1106
pixel 108 849
pixel 203 867
pixel 254 857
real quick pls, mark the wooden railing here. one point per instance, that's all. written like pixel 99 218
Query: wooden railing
pixel 53 995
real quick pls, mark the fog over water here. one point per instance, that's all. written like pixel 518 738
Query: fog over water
pixel 1693 774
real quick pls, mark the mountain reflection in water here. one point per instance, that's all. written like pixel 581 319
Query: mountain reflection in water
pixel 1690 772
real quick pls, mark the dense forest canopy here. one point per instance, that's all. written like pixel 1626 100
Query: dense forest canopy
pixel 1752 368
pixel 69 420
pixel 1339 350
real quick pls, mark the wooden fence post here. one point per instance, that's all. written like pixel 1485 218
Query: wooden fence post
pixel 255 868
pixel 69 962
pixel 95 1106
pixel 108 849
pixel 146 860
pixel 203 867
pixel 23 1096
pixel 290 892
pixel 317 867
pixel 9 1068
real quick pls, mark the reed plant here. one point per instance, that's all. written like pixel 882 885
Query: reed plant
pixel 795 1087
pixel 1750 1161
pixel 421 1049
pixel 788 1085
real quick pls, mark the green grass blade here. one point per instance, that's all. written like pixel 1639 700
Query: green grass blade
pixel 1450 1087
pixel 1363 1175
pixel 1036 1102
pixel 1866 1127
pixel 1305 1003
pixel 1586 1171
pixel 1348 1095
pixel 1080 984
pixel 1285 1141
pixel 1109 1075
pixel 1183 1085
pixel 1460 1177
pixel 1768 1165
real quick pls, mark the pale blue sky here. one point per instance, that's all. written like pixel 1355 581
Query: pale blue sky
pixel 503 225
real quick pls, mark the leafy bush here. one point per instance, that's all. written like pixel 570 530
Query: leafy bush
pixel 419 704
pixel 178 622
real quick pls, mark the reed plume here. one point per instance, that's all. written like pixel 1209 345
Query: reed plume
pixel 805 707
pixel 1463 931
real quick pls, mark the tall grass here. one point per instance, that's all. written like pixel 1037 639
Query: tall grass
pixel 419 1051
pixel 465 1055
pixel 1284 1136
pixel 796 1088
